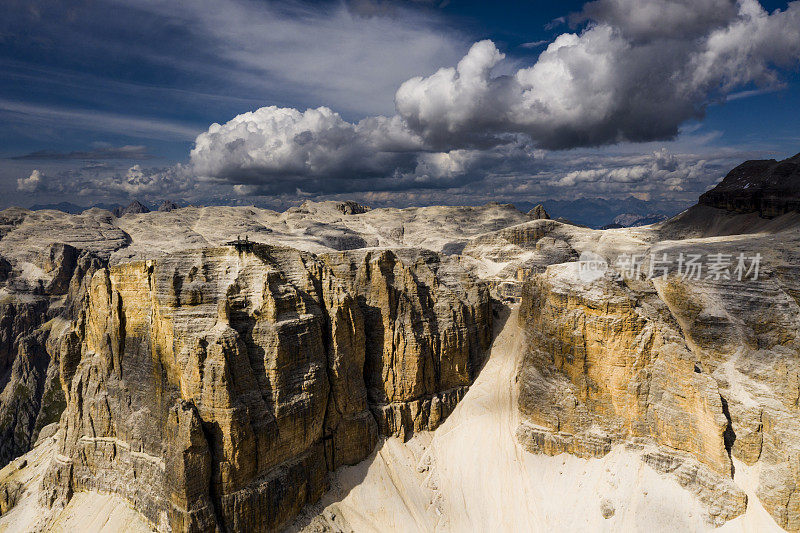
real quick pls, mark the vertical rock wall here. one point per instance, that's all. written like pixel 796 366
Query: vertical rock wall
pixel 607 365
pixel 216 388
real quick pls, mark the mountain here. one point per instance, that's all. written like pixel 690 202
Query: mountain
pixel 538 213
pixel 628 220
pixel 768 187
pixel 167 206
pixel 133 208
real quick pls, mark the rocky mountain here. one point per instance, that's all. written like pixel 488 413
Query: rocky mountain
pixel 167 206
pixel 767 187
pixel 339 368
pixel 32 315
pixel 598 212
pixel 273 367
pixel 69 207
pixel 538 213
pixel 627 220
pixel 133 208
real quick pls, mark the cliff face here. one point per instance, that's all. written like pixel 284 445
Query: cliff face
pixel 216 388
pixel 745 335
pixel 692 372
pixel 607 365
pixel 427 327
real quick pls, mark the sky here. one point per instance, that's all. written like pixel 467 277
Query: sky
pixel 391 103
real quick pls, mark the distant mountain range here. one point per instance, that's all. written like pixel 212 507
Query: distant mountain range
pixel 134 207
pixel 599 212
pixel 69 207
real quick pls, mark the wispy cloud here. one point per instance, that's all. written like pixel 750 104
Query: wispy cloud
pixel 111 152
pixel 85 119
pixel 555 23
pixel 286 53
pixel 753 92
pixel 534 44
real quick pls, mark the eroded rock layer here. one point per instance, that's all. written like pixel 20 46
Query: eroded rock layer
pixel 607 364
pixel 215 388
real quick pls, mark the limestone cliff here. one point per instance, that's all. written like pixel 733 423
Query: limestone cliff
pixel 424 346
pixel 606 365
pixel 215 388
pixel 745 335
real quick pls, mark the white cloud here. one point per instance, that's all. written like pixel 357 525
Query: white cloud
pixel 30 184
pixel 533 44
pixel 461 101
pixel 747 50
pixel 280 147
pixel 606 84
pixel 146 183
pixel 661 172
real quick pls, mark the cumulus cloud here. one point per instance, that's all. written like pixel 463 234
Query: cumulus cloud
pixel 635 72
pixel 629 71
pixel 143 182
pixel 112 184
pixel 747 50
pixel 30 184
pixel 287 145
pixel 661 171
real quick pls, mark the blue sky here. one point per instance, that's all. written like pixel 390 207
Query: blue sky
pixel 104 100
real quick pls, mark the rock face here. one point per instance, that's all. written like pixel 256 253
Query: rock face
pixel 426 329
pixel 216 388
pixel 767 187
pixel 351 208
pixel 691 371
pixel 745 335
pixel 32 319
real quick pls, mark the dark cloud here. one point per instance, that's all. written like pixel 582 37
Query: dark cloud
pixel 649 20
